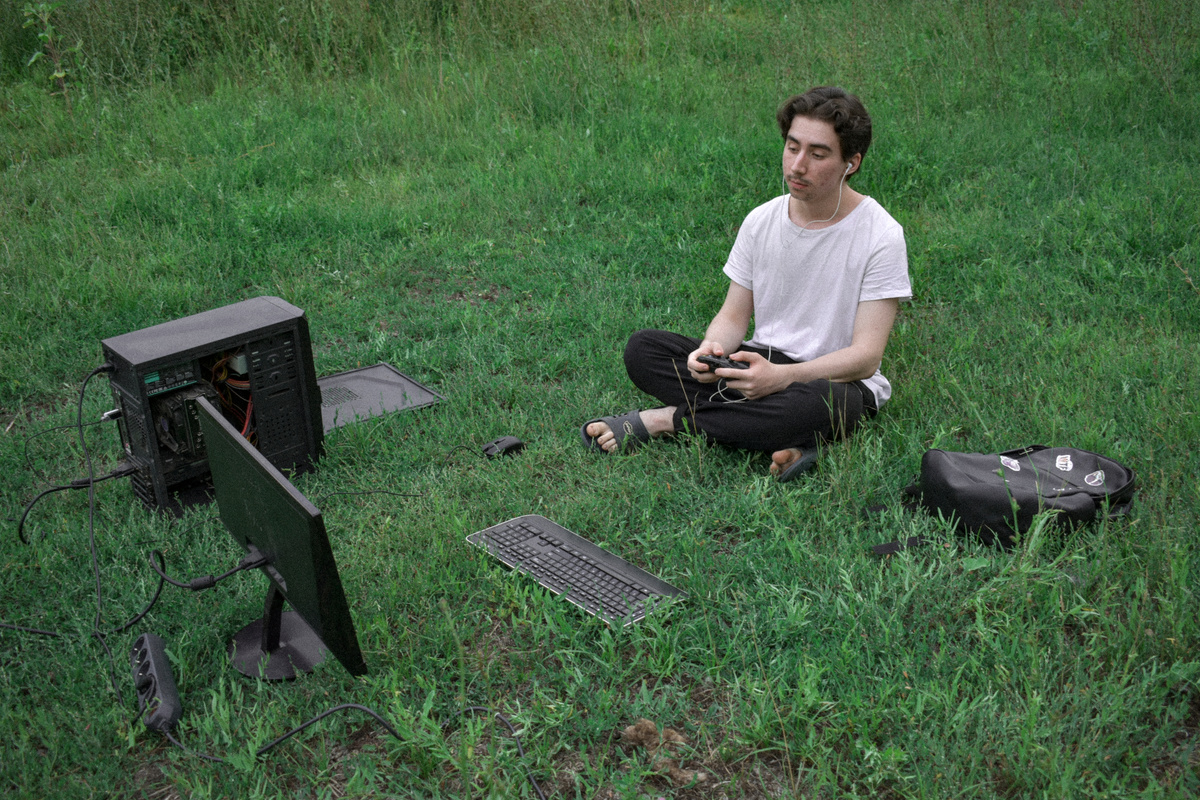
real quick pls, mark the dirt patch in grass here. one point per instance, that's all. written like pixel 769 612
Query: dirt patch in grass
pixel 1171 766
pixel 761 778
pixel 153 784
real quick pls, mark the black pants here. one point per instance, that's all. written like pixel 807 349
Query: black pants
pixel 800 416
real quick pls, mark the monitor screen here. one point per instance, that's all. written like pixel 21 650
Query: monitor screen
pixel 264 512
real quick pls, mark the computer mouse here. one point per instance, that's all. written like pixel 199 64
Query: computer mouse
pixel 504 446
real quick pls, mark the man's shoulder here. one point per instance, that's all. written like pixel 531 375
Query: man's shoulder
pixel 871 212
pixel 766 213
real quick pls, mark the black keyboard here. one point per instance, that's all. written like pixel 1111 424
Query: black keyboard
pixel 565 563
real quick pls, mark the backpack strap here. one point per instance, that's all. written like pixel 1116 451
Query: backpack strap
pixel 911 502
pixel 898 545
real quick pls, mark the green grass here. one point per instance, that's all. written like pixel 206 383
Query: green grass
pixel 492 201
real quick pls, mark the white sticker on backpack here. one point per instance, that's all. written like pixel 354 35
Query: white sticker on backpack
pixel 1095 479
pixel 1063 463
pixel 1011 463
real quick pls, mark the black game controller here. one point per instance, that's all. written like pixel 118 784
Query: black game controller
pixel 719 362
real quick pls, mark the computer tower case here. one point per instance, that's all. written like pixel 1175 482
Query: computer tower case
pixel 252 360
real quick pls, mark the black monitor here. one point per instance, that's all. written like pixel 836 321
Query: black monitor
pixel 266 514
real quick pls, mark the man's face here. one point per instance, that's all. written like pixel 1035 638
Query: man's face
pixel 812 160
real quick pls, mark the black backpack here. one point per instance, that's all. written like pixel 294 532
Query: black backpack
pixel 995 496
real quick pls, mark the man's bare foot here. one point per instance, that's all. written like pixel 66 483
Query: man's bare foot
pixel 782 459
pixel 794 459
pixel 658 422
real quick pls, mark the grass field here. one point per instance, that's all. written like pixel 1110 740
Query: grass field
pixel 491 197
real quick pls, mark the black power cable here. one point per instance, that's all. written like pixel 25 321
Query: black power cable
pixel 91 487
pixel 121 629
pixel 43 432
pixel 207 581
pixel 512 731
pixel 38 631
pixel 79 483
pixel 89 483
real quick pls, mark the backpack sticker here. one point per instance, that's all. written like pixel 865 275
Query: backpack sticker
pixel 1095 479
pixel 1063 463
pixel 1011 463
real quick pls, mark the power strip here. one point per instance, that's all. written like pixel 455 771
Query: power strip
pixel 158 699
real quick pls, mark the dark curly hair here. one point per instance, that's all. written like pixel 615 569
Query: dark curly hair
pixel 839 108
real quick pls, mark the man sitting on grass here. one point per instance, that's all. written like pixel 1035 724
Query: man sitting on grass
pixel 821 270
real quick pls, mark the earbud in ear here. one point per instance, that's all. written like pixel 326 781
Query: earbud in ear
pixel 848 168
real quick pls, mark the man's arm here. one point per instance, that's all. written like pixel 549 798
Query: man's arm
pixel 726 331
pixel 872 325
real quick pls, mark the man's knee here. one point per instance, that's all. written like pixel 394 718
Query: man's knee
pixel 637 343
pixel 650 345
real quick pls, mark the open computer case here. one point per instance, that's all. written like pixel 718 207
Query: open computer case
pixel 253 360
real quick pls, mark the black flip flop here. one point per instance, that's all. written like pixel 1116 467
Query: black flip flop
pixel 627 428
pixel 801 465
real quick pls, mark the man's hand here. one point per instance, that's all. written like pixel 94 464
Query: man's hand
pixel 760 379
pixel 700 371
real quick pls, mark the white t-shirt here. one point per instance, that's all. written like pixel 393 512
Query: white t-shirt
pixel 807 284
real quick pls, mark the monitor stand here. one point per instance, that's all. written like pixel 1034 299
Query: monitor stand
pixel 277 647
